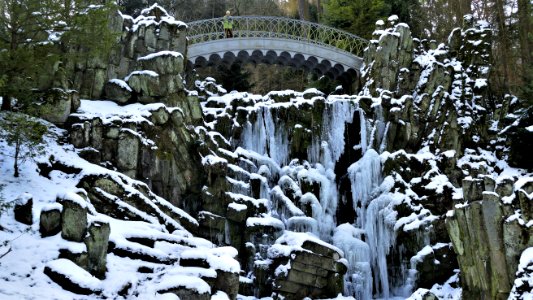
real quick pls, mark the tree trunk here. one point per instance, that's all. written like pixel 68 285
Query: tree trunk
pixel 461 8
pixel 303 9
pixel 466 7
pixel 524 27
pixel 318 10
pixel 504 45
pixel 16 164
pixel 6 103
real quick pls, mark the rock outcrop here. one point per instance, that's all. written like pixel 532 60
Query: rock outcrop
pixel 439 103
pixel 489 233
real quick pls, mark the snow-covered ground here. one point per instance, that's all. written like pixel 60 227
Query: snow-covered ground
pixel 25 253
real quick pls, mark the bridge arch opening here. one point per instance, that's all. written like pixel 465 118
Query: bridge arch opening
pixel 284 42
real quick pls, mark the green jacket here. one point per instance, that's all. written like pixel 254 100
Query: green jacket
pixel 228 23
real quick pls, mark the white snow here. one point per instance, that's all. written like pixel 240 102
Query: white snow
pixel 169 282
pixel 149 73
pixel 265 221
pixel 110 112
pixel 159 54
pixel 121 83
pixel 75 273
pixel 524 277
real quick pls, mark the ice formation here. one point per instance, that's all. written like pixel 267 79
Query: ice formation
pixel 365 242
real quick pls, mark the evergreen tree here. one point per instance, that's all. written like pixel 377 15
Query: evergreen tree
pixel 408 11
pixel 25 134
pixel 38 37
pixel 356 16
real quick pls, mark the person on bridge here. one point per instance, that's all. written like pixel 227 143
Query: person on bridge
pixel 228 25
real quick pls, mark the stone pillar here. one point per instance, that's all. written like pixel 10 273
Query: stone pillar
pixel 73 217
pixel 23 209
pixel 96 242
pixel 50 220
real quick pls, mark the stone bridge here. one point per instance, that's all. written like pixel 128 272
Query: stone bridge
pixel 276 40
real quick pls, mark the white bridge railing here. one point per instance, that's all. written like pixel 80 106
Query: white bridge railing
pixel 277 27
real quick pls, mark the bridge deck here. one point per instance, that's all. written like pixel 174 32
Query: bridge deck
pixel 316 47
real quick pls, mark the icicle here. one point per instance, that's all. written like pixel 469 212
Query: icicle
pixel 362 123
pixel 303 224
pixel 379 228
pixel 365 176
pixel 358 278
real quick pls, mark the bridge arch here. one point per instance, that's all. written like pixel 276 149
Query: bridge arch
pixel 276 40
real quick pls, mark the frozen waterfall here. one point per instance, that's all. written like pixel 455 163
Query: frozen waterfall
pixel 367 240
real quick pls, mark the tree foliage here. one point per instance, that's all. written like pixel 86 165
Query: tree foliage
pixel 356 16
pixel 38 39
pixel 24 134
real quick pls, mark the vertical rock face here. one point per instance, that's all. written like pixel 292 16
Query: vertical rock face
pixel 438 102
pixel 160 150
pixel 489 236
pixel 59 104
pixel 146 67
pixel 151 32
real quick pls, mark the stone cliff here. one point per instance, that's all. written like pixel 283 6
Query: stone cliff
pixel 415 184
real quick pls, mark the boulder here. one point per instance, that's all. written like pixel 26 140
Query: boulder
pixel 58 104
pixel 50 220
pixel 73 217
pixel 163 62
pixel 146 86
pixel 72 278
pixel 23 209
pixel 118 91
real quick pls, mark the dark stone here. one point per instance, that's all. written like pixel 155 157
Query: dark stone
pixel 228 283
pixel 50 222
pixel 194 262
pixel 97 242
pixel 79 258
pixel 23 209
pixel 73 220
pixel 136 254
pixel 321 249
pixel 66 283
pixel 116 92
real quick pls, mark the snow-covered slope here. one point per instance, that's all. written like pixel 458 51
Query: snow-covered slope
pixel 149 264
